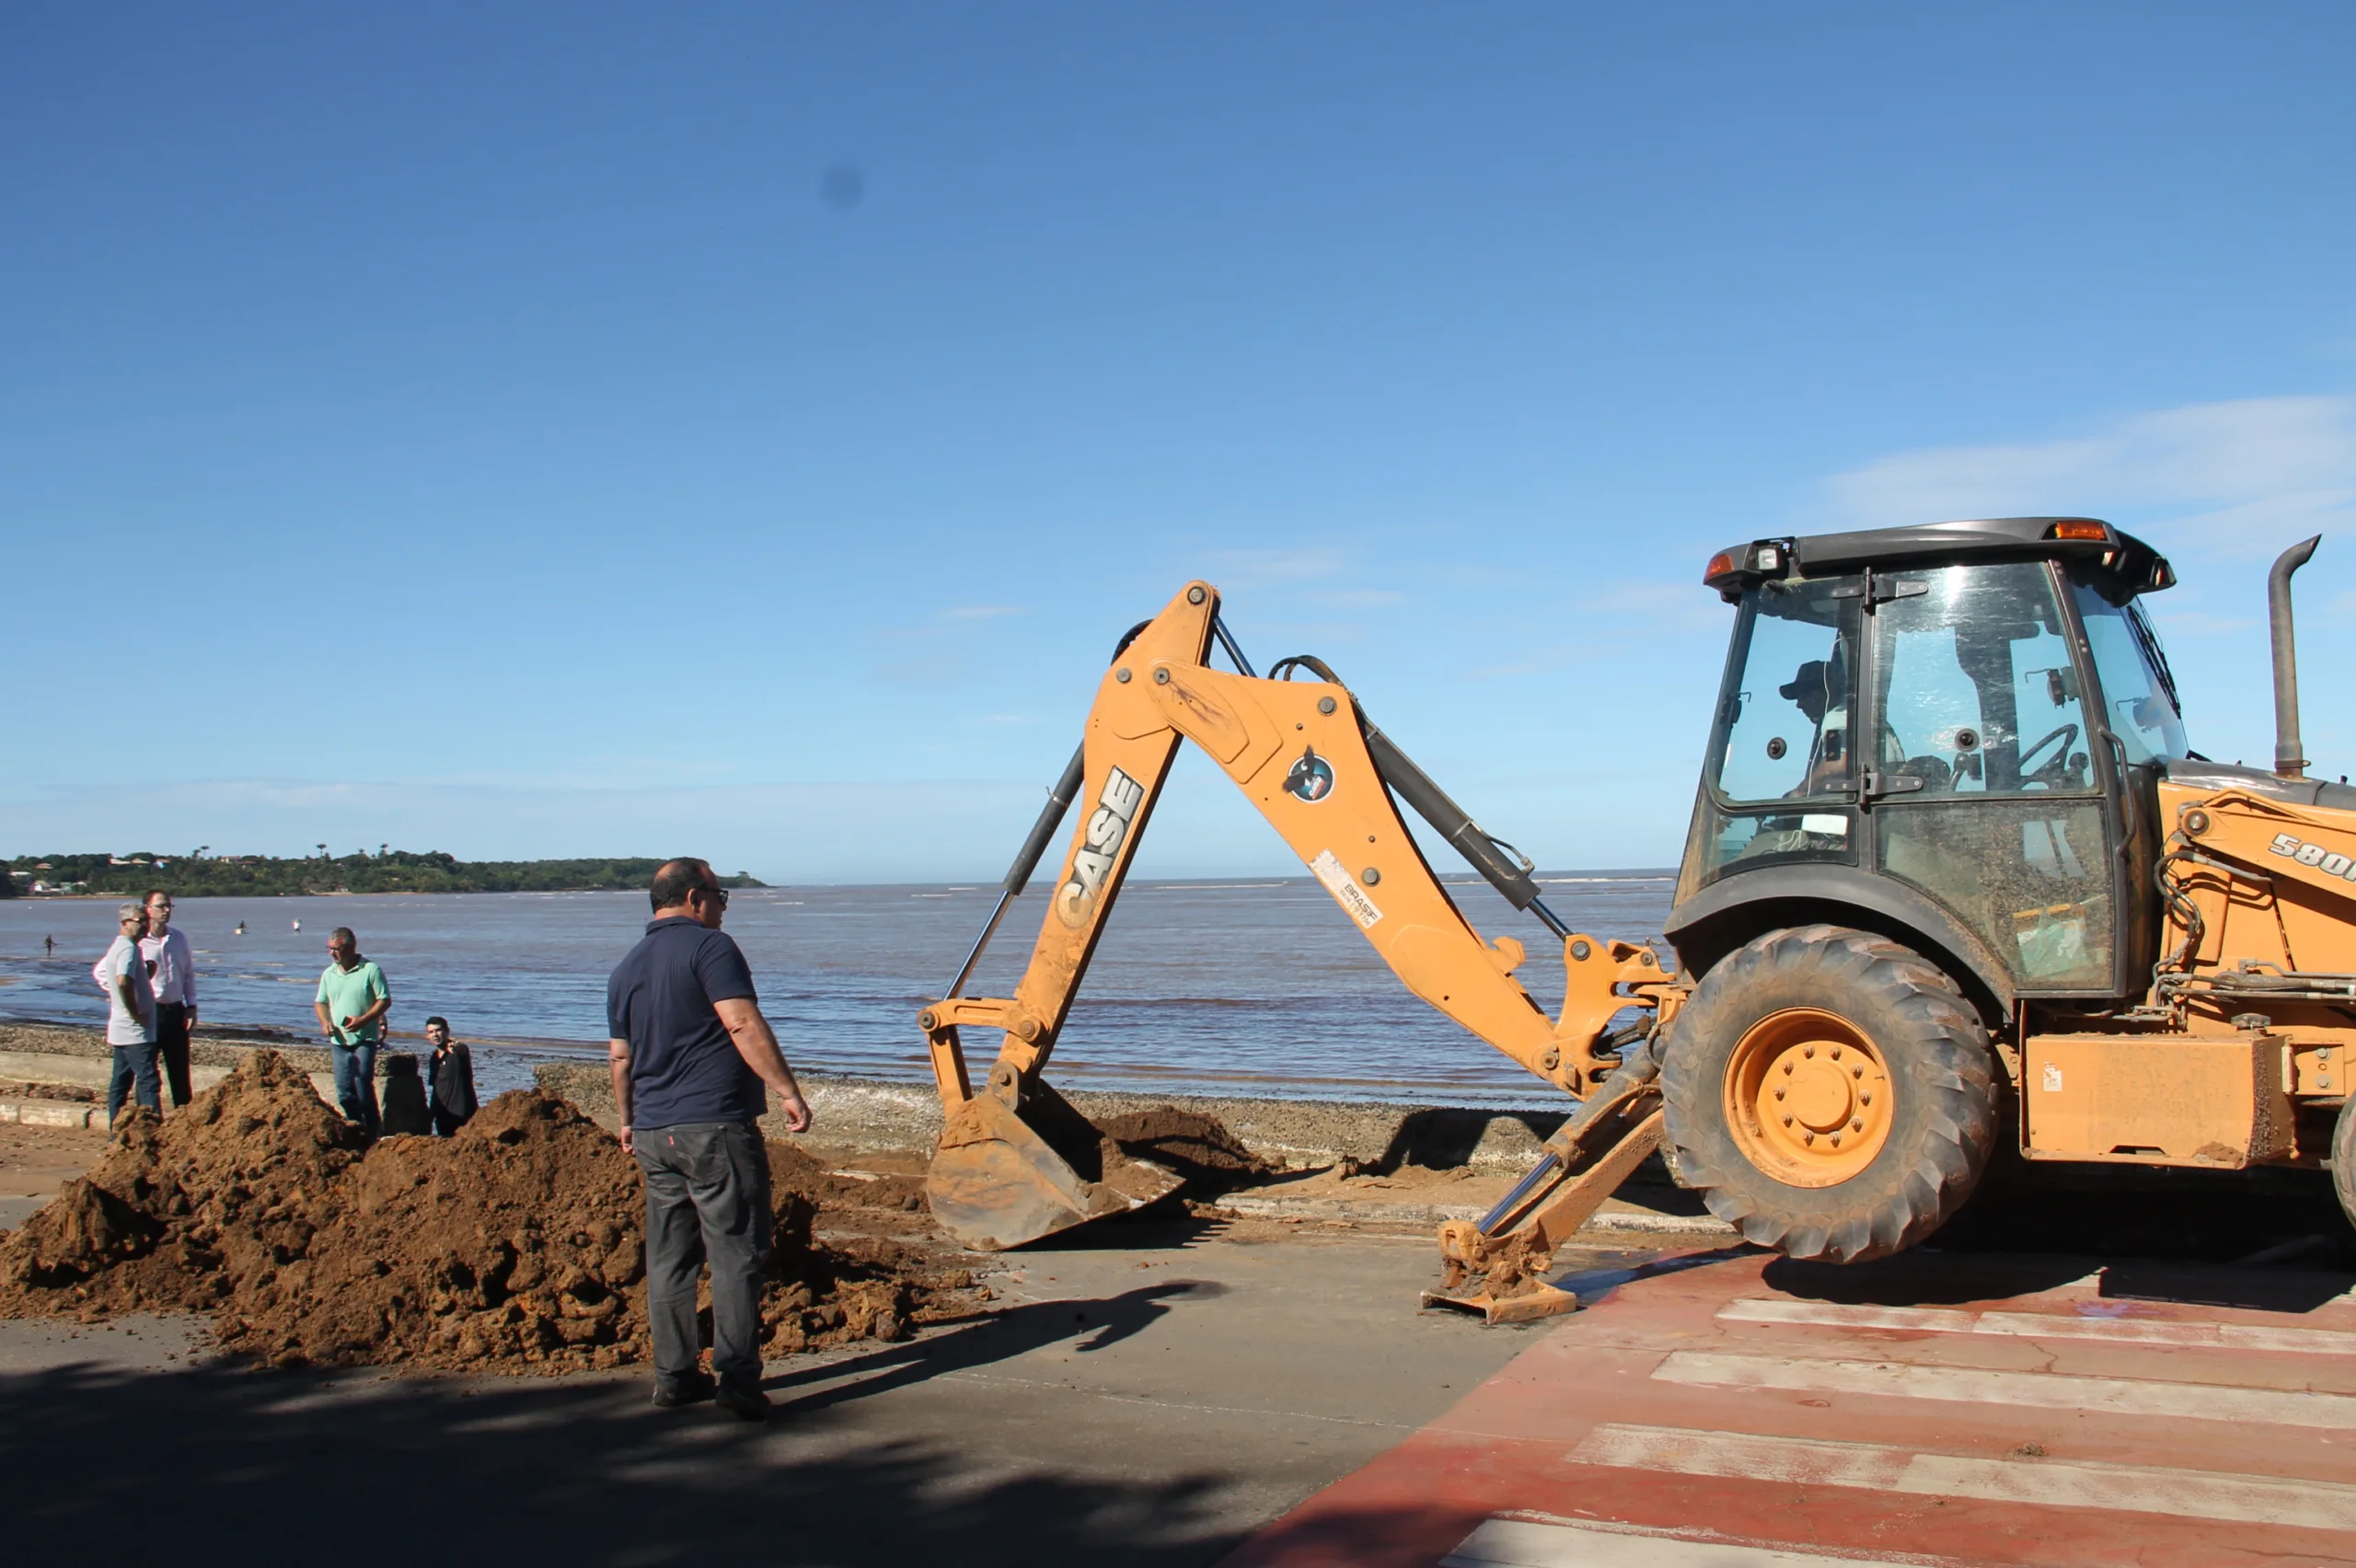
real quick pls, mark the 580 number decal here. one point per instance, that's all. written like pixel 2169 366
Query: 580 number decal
pixel 2329 862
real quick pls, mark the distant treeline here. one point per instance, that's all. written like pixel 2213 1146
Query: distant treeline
pixel 205 875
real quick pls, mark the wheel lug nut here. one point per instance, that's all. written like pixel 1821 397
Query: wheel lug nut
pixel 1807 1138
pixel 1788 1121
pixel 1836 1140
pixel 1807 1050
pixel 1856 1072
pixel 1856 1124
pixel 1836 1052
pixel 1779 1094
pixel 1787 1068
pixel 1866 1098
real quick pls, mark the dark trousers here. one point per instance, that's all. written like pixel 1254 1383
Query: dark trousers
pixel 355 1084
pixel 707 1198
pixel 446 1122
pixel 171 1039
pixel 134 1074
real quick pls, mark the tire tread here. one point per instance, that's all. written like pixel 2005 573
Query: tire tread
pixel 1946 1060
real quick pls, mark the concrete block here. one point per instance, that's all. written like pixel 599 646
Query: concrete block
pixel 52 1113
pixel 43 1067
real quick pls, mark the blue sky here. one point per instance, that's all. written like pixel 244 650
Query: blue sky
pixel 743 429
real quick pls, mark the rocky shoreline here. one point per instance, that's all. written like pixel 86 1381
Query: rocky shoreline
pixel 873 1115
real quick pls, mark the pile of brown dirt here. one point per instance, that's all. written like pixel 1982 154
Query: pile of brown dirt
pixel 514 1246
pixel 792 1171
pixel 1195 1146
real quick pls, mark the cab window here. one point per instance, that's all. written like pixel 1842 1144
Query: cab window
pixel 2138 694
pixel 1783 729
pixel 1978 692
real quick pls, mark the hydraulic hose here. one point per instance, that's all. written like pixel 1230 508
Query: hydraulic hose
pixel 1499 863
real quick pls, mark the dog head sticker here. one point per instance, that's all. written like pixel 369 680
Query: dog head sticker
pixel 1311 778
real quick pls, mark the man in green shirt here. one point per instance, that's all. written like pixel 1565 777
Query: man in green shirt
pixel 351 1005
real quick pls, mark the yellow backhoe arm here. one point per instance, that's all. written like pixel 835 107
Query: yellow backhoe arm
pixel 1303 753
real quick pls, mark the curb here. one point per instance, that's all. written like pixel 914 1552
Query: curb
pixel 77 1113
pixel 1434 1214
pixel 52 1113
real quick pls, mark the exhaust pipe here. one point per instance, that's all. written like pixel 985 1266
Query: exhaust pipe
pixel 2290 759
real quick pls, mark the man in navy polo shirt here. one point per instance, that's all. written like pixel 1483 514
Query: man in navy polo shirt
pixel 690 1052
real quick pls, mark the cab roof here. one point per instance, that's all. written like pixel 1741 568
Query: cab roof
pixel 2121 563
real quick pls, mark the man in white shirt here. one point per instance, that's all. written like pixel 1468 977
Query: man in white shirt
pixel 172 971
pixel 131 1014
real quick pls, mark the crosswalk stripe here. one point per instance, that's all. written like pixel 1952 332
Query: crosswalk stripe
pixel 2052 1390
pixel 2200 1494
pixel 1524 1544
pixel 2038 1325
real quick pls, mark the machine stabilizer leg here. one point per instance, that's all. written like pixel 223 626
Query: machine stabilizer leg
pixel 1497 1266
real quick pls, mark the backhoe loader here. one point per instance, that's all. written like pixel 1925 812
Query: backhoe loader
pixel 1953 875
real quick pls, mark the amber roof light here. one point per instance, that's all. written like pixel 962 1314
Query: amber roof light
pixel 2085 529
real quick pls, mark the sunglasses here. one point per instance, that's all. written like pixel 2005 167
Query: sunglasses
pixel 719 892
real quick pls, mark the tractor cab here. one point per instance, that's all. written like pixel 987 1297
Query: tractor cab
pixel 1949 735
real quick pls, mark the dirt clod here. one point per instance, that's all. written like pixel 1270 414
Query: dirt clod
pixel 1194 1146
pixel 515 1246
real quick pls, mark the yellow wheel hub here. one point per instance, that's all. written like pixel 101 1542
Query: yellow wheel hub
pixel 1807 1098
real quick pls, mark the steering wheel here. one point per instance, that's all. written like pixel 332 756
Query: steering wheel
pixel 2060 759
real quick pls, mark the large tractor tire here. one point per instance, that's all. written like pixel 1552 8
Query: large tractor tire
pixel 1831 1093
pixel 2343 1157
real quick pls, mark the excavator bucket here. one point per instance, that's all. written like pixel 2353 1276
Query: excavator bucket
pixel 1001 1178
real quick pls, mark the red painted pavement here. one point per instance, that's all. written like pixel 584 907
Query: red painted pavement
pixel 1505 1448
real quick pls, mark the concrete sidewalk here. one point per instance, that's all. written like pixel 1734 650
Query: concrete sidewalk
pixel 1152 1396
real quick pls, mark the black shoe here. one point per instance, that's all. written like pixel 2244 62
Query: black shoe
pixel 750 1403
pixel 686 1391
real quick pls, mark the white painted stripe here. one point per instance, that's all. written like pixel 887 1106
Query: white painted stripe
pixel 2061 1483
pixel 2048 1390
pixel 2038 1325
pixel 1831 1315
pixel 2123 1330
pixel 1520 1544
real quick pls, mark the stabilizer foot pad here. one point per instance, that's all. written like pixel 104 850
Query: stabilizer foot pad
pixel 1527 1306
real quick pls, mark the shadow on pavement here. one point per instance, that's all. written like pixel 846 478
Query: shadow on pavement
pixel 151 1466
pixel 1596 1279
pixel 2267 1239
pixel 1922 1279
pixel 982 1341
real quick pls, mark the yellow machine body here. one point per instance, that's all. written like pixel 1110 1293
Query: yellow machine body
pixel 2248 1019
pixel 1010 1164
pixel 2243 887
